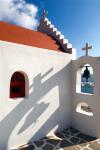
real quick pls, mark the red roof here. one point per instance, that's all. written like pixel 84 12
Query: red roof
pixel 20 35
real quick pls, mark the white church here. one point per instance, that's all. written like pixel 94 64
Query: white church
pixel 40 92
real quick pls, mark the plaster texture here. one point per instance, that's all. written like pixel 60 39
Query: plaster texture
pixel 47 105
pixel 52 94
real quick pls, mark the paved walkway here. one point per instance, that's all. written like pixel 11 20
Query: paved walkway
pixel 69 139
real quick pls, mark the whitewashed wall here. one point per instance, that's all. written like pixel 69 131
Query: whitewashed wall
pixel 87 124
pixel 47 108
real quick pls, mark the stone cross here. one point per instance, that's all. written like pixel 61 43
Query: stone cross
pixel 86 48
pixel 44 13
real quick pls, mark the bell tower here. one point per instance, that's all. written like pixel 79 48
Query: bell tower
pixel 85 110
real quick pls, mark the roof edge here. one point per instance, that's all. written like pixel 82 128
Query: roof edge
pixel 47 27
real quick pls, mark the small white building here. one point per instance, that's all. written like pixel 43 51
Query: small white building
pixel 40 85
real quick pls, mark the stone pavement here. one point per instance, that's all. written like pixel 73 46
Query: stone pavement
pixel 69 139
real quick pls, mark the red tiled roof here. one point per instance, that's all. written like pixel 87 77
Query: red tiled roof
pixel 20 35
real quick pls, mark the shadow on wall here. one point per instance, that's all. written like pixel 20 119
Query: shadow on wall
pixel 8 124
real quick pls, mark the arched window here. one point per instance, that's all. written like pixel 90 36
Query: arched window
pixel 17 85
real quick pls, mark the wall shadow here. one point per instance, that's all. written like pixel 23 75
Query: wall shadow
pixel 8 124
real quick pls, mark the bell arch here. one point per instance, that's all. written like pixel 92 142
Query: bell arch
pixel 85 79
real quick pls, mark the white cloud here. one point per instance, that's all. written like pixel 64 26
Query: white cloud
pixel 19 12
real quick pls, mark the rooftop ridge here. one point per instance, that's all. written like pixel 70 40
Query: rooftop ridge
pixel 47 27
pixel 20 35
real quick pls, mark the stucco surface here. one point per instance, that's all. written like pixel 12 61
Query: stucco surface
pixel 47 106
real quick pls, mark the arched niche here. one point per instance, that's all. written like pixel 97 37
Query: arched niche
pixel 84 108
pixel 85 79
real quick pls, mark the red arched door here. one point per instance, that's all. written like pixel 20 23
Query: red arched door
pixel 17 85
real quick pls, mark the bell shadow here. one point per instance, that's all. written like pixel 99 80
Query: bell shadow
pixel 8 124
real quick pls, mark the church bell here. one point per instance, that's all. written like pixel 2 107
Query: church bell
pixel 86 74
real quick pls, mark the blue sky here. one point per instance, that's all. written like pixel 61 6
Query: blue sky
pixel 78 20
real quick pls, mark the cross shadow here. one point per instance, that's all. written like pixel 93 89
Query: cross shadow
pixel 36 109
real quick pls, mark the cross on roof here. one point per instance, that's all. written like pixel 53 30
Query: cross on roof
pixel 86 48
pixel 44 13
